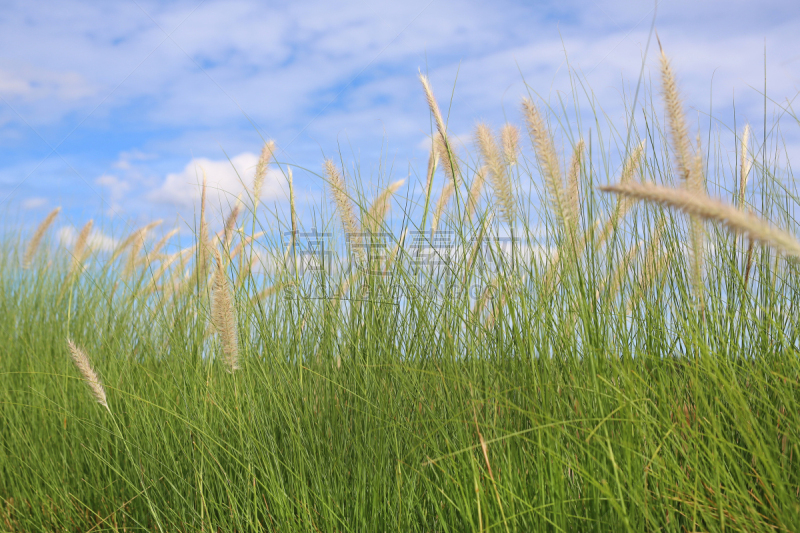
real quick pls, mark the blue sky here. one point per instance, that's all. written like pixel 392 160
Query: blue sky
pixel 109 108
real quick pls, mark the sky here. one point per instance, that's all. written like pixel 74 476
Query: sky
pixel 111 109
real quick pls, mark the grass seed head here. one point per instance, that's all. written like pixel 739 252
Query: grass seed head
pixel 33 245
pixel 223 314
pixel 261 169
pixel 706 208
pixel 81 361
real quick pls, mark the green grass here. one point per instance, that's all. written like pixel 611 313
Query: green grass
pixel 568 402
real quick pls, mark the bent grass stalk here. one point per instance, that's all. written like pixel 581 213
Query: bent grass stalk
pixel 706 208
pixel 38 235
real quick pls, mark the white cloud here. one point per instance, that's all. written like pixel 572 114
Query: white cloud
pixel 225 181
pixel 98 241
pixel 34 203
pixel 30 83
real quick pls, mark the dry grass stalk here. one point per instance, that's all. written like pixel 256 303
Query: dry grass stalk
pixel 163 242
pixel 744 165
pixel 509 136
pixel 497 172
pixel 132 238
pixel 79 251
pixel 629 169
pixel 33 245
pixel 261 169
pixel 230 224
pixel 690 168
pixel 706 208
pixel 81 361
pixel 223 315
pixel 475 192
pixel 697 185
pixel 434 107
pixel 136 242
pixel 292 210
pixel 342 200
pixel 163 267
pixel 548 159
pixel 380 206
pixel 573 189
pixel 679 133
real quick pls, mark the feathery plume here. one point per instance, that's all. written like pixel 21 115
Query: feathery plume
pixel 706 208
pixel 445 149
pixel 509 135
pixel 38 236
pixel 81 361
pixel 162 242
pixel 475 192
pixel 744 165
pixel 163 267
pixel 136 242
pixel 292 210
pixel 573 188
pixel 679 133
pixel 497 171
pixel 548 159
pixel 690 169
pixel 340 197
pixel 448 158
pixel 380 206
pixel 223 315
pixel 434 107
pixel 697 185
pixel 230 224
pixel 79 250
pixel 261 169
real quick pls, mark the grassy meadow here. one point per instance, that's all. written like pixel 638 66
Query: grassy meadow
pixel 538 339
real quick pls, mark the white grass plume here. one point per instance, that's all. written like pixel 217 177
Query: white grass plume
pixel 380 206
pixel 81 361
pixel 342 200
pixel 261 169
pixel 573 207
pixel 79 251
pixel 744 165
pixel 509 136
pixel 136 242
pixel 548 159
pixel 706 208
pixel 475 192
pixel 501 183
pixel 223 315
pixel 33 245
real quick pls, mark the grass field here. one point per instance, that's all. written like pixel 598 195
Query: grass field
pixel 624 363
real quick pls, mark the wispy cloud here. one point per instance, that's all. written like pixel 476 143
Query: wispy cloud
pixel 138 96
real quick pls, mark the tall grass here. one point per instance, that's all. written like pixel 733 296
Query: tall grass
pixel 595 373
